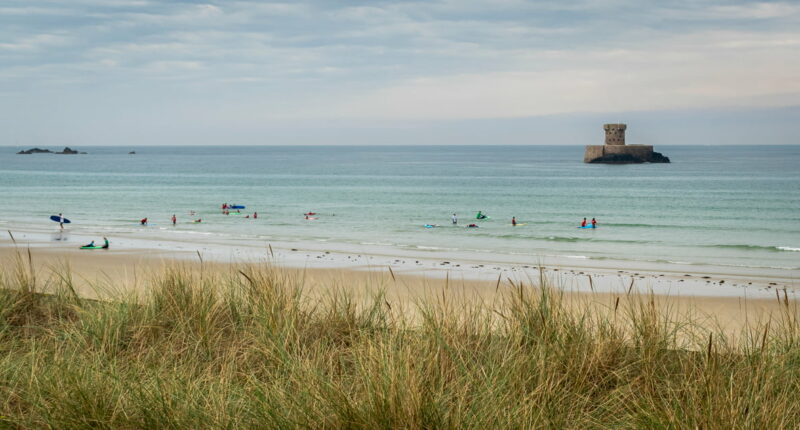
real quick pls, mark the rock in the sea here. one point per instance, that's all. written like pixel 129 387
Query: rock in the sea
pixel 616 159
pixel 654 157
pixel 658 157
pixel 67 150
pixel 36 151
pixel 132 153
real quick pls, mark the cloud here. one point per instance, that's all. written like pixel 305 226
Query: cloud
pixel 36 42
pixel 402 60
pixel 746 11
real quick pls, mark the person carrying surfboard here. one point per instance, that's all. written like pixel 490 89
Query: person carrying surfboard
pixel 61 221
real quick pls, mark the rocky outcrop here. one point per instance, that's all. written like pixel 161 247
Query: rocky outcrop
pixel 658 157
pixel 67 150
pixel 36 151
pixel 622 158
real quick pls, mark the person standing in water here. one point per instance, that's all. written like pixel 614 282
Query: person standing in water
pixel 174 220
pixel 255 215
pixel 583 224
pixel 594 223
pixel 513 221
pixel 455 219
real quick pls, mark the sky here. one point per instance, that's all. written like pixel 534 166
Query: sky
pixel 141 72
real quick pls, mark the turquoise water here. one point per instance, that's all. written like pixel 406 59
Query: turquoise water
pixel 736 206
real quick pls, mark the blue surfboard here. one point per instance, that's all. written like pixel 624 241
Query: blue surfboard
pixel 236 207
pixel 588 226
pixel 57 219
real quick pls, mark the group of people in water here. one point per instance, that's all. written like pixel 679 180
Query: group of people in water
pixel 174 219
pixel 309 216
pixel 482 216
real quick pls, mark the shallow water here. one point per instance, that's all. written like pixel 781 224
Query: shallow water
pixel 728 206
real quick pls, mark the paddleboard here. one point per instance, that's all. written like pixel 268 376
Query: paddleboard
pixel 236 207
pixel 518 224
pixel 57 219
pixel 92 247
pixel 431 225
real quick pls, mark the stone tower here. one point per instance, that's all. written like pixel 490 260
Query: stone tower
pixel 615 151
pixel 615 133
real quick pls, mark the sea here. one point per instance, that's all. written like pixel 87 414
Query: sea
pixel 735 206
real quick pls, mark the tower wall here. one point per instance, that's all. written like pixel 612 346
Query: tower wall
pixel 615 134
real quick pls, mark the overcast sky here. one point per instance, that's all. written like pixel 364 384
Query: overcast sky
pixel 135 72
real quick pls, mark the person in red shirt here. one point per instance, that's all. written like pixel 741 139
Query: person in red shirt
pixel 174 219
pixel 514 221
pixel 255 215
pixel 594 223
pixel 583 224
pixel 143 221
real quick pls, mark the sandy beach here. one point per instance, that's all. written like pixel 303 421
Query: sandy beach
pixel 569 274
pixel 723 300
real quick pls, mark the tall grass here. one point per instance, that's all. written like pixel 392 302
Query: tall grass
pixel 251 348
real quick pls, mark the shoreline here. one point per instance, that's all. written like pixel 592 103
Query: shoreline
pixel 603 276
pixel 127 275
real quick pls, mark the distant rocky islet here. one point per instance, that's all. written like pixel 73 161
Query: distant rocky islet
pixel 67 150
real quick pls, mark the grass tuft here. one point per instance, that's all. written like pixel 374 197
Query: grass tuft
pixel 253 348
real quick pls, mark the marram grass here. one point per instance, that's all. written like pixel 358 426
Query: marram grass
pixel 251 348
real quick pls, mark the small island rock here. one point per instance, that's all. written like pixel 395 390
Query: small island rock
pixel 36 151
